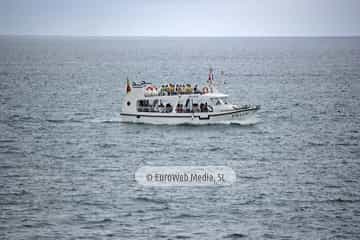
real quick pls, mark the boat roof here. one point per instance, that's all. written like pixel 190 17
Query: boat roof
pixel 216 95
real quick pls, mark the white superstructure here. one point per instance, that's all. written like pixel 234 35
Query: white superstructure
pixel 181 104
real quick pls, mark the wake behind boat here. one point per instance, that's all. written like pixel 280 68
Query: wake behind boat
pixel 181 104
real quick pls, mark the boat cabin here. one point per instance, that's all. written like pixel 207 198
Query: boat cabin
pixel 146 97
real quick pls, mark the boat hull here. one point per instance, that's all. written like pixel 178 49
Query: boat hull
pixel 240 116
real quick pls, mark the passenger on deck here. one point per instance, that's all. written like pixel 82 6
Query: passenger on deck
pixel 168 108
pixel 172 89
pixel 179 108
pixel 161 107
pixel 202 107
pixel 187 105
pixel 162 90
pixel 188 89
pixel 195 107
pixel 183 89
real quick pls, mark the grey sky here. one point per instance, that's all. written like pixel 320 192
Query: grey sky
pixel 181 18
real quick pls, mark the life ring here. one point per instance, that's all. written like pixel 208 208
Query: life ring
pixel 205 90
pixel 151 88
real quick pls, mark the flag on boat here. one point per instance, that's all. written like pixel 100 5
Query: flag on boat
pixel 211 75
pixel 128 86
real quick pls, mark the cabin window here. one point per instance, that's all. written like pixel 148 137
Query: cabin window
pixel 155 105
pixel 163 108
pixel 143 106
pixel 224 100
pixel 219 101
pixel 168 108
pixel 216 101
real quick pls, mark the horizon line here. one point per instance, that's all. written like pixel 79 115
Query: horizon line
pixel 179 36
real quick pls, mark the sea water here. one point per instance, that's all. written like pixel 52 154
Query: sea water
pixel 67 163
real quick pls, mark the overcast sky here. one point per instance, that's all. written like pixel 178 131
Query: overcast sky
pixel 181 17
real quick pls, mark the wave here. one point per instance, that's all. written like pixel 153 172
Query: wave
pixel 314 144
pixel 65 120
pixel 150 200
pixel 247 122
pixel 251 177
pixel 346 144
pixel 21 193
pixel 81 114
pixel 111 156
pixel 341 200
pixel 107 145
pixel 110 120
pixel 37 225
pixel 186 215
pixel 105 220
pixel 335 200
pixel 235 236
pixel 72 120
pixel 215 149
pixel 182 237
pixel 56 120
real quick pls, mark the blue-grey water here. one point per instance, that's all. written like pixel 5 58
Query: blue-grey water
pixel 67 163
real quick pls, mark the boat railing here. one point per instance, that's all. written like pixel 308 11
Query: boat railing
pixel 160 94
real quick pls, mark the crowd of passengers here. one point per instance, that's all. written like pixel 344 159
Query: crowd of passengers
pixel 144 106
pixel 171 89
pixel 203 107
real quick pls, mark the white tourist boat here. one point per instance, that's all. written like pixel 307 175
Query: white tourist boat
pixel 182 104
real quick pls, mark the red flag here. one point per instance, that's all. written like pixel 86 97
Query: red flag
pixel 128 87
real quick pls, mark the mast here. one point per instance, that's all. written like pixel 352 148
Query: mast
pixel 211 80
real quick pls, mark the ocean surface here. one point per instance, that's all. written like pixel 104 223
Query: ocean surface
pixel 67 163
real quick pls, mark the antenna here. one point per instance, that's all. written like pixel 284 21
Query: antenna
pixel 211 75
pixel 222 77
